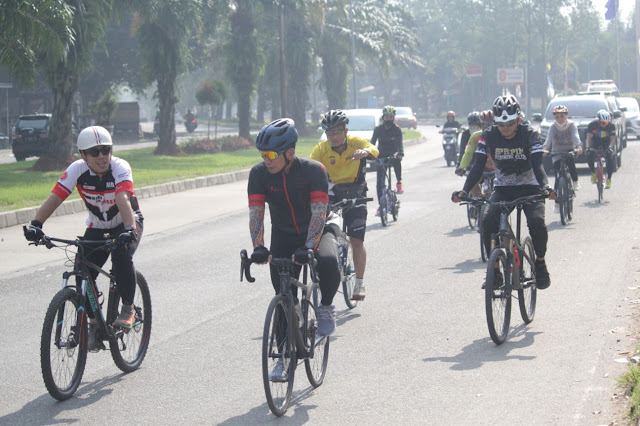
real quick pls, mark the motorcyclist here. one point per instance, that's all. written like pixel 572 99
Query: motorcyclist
pixel 451 121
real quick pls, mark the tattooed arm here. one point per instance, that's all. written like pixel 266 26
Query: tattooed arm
pixel 256 225
pixel 316 224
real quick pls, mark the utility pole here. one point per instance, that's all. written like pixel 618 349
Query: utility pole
pixel 637 45
pixel 283 87
pixel 353 55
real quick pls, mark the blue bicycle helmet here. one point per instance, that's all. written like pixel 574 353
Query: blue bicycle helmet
pixel 278 136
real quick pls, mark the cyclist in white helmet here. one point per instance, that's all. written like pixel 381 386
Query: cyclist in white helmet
pixel 601 133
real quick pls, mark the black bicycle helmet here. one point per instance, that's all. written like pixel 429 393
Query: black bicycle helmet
pixel 473 118
pixel 506 108
pixel 334 118
pixel 278 136
pixel 389 110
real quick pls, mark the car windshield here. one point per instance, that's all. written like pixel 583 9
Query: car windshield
pixel 577 107
pixel 361 122
pixel 403 111
pixel 34 123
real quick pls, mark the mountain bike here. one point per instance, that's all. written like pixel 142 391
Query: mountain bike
pixel 511 267
pixel 600 164
pixel 63 344
pixel 290 333
pixel 389 203
pixel 345 252
pixel 564 187
pixel 475 211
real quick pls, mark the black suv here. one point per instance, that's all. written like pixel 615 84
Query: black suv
pixel 31 135
pixel 582 111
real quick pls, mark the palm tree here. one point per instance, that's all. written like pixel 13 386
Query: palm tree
pixel 27 28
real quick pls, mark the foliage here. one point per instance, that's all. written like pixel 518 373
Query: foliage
pixel 211 93
pixel 630 383
pixel 104 108
pixel 208 146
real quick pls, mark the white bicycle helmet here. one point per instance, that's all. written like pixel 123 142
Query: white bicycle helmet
pixel 506 108
pixel 603 116
pixel 93 136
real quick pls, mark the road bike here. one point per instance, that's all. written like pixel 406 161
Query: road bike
pixel 511 267
pixel 290 333
pixel 389 203
pixel 63 345
pixel 564 186
pixel 345 251
pixel 600 164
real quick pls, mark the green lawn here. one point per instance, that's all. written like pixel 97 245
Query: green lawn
pixel 22 187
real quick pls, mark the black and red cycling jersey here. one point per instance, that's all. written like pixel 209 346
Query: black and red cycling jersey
pixel 289 193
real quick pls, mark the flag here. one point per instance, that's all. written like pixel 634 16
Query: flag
pixel 551 92
pixel 612 8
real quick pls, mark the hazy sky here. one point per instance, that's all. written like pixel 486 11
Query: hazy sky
pixel 625 8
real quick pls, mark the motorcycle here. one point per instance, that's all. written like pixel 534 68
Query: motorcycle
pixel 450 145
pixel 190 125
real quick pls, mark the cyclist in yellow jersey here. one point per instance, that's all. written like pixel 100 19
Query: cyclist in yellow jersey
pixel 344 157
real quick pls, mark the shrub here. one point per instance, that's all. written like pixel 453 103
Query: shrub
pixel 208 146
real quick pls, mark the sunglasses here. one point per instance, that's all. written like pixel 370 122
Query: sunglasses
pixel 334 132
pixel 271 155
pixel 94 152
pixel 507 123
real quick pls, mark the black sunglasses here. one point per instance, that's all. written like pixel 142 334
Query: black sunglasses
pixel 94 152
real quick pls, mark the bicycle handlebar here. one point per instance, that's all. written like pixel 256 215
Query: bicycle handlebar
pixel 245 264
pixel 521 200
pixel 347 203
pixel 109 243
pixel 564 153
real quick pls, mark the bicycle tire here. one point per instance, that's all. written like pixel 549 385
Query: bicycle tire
pixel 277 343
pixel 129 348
pixel 527 297
pixel 316 364
pixel 600 182
pixel 572 194
pixel 63 366
pixel 562 196
pixel 383 210
pixel 497 301
pixel 348 272
pixel 483 251
pixel 395 205
pixel 472 215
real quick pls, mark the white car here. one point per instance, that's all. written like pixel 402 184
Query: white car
pixel 632 114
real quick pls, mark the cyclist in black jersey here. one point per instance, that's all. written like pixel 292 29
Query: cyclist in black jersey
pixel 296 190
pixel 389 138
pixel 601 133
pixel 105 183
pixel 516 151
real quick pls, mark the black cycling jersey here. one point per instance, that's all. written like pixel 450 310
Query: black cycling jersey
pixel 289 193
pixel 389 140
pixel 600 135
pixel 518 161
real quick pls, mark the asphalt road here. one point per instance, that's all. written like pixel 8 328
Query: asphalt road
pixel 417 351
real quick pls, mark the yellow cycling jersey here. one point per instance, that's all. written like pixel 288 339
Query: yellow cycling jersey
pixel 340 167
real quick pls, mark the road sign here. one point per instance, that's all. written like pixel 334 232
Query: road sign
pixel 510 76
pixel 474 71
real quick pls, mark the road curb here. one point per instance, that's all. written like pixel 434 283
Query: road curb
pixel 22 216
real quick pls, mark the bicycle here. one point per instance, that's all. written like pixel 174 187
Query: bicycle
pixel 564 187
pixel 600 165
pixel 475 212
pixel 289 336
pixel 63 344
pixel 516 264
pixel 389 202
pixel 345 252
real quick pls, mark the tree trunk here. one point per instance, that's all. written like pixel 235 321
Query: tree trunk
pixel 62 147
pixel 167 132
pixel 244 114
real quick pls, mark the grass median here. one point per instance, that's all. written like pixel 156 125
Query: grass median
pixel 22 187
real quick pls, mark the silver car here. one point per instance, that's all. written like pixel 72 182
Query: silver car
pixel 632 113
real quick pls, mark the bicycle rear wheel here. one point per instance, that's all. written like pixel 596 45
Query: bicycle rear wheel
pixel 316 364
pixel 129 347
pixel 384 211
pixel 563 194
pixel 472 215
pixel 278 347
pixel 497 298
pixel 528 295
pixel 63 345
pixel 348 271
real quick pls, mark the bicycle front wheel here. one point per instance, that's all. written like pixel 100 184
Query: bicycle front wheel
pixel 483 251
pixel 348 274
pixel 63 347
pixel 395 206
pixel 562 199
pixel 527 296
pixel 316 364
pixel 600 182
pixel 497 297
pixel 278 356
pixel 129 347
pixel 384 211
pixel 472 215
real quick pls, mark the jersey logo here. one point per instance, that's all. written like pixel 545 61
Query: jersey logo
pixel 111 184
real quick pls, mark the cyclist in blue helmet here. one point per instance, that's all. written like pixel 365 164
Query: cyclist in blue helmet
pixel 296 190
